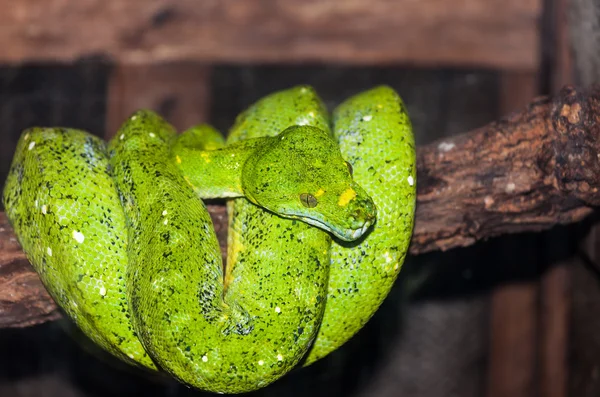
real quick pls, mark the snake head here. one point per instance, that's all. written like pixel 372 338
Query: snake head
pixel 300 174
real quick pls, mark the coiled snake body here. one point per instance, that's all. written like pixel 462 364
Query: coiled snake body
pixel 320 223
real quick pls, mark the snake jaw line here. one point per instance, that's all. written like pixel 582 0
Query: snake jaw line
pixel 342 234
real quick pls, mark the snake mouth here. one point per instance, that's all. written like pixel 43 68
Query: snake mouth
pixel 342 234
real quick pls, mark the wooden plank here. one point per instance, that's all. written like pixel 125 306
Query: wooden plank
pixel 180 92
pixel 563 66
pixel 555 285
pixel 494 33
pixel 584 32
pixel 584 344
pixel 513 320
pixel 517 89
pixel 512 336
pixel 584 352
pixel 554 328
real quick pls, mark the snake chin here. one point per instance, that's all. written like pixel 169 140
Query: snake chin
pixel 358 233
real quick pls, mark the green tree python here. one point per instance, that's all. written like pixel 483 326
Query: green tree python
pixel 320 217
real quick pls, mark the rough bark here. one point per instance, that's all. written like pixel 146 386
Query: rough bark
pixel 528 172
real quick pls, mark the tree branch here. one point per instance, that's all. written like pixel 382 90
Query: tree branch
pixel 528 172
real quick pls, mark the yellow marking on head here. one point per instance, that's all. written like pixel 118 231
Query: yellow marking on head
pixel 205 156
pixel 178 159
pixel 346 197
pixel 319 193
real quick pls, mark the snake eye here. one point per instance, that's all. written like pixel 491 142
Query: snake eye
pixel 350 170
pixel 308 200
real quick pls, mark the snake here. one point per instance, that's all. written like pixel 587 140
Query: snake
pixel 320 211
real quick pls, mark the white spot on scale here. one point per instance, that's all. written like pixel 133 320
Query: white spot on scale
pixel 387 256
pixel 44 209
pixel 152 135
pixel 31 145
pixel 49 251
pixel 411 180
pixel 510 187
pixel 131 356
pixel 368 117
pixel 165 221
pixel 122 137
pixel 277 309
pixel 164 212
pixel 279 357
pixel 103 291
pixel 26 137
pixel 133 117
pixel 78 236
pixel 204 358
pixel 261 362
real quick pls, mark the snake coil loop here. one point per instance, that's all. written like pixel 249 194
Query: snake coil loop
pixel 123 243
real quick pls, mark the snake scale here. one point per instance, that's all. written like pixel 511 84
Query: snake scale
pixel 320 211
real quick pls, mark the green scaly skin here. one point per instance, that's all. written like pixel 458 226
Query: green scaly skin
pixel 231 339
pixel 63 204
pixel 279 297
pixel 375 136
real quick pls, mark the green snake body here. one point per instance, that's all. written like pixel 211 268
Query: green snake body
pixel 125 246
